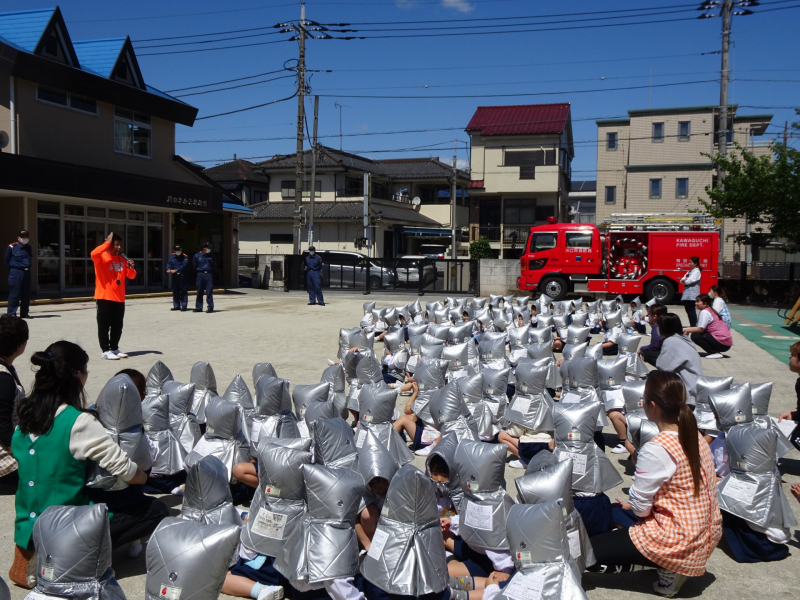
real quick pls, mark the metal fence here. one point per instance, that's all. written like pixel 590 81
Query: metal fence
pixel 420 275
pixel 769 283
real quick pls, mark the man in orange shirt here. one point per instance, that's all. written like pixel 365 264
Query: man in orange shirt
pixel 111 268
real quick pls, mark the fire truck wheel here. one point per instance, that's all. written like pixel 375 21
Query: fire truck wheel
pixel 555 287
pixel 663 290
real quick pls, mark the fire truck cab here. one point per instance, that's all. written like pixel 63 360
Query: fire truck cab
pixel 637 254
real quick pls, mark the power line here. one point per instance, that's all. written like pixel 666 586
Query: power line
pixel 250 45
pixel 518 95
pixel 183 37
pixel 192 87
pixel 507 25
pixel 236 37
pixel 198 14
pixel 402 131
pixel 233 87
pixel 516 83
pixel 599 12
pixel 238 110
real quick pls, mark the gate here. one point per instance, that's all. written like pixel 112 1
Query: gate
pixel 345 271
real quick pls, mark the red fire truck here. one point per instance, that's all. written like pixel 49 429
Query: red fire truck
pixel 641 254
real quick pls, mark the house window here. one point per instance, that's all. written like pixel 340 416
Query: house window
pixel 317 188
pixel 655 188
pixel 611 194
pixel 353 186
pixel 658 132
pixel 132 133
pixel 682 187
pixel 611 140
pixel 528 160
pixel 684 131
pixel 259 197
pixel 287 188
pixel 281 238
pixel 380 190
pixel 61 98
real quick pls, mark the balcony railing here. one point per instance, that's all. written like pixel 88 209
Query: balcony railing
pixel 354 193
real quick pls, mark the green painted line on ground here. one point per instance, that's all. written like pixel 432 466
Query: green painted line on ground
pixel 756 323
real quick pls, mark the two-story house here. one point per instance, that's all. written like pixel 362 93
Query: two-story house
pixel 86 148
pixel 409 202
pixel 653 161
pixel 520 173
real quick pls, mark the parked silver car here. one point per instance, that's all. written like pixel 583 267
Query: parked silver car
pixel 407 268
pixel 343 269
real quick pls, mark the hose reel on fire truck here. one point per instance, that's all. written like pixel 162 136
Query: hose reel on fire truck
pixel 630 259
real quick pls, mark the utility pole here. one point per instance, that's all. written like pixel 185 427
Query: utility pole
pixel 340 107
pixel 367 228
pixel 453 201
pixel 785 132
pixel 726 10
pixel 313 175
pixel 301 95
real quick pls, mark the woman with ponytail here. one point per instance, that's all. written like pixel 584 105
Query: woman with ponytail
pixel 53 443
pixel 674 496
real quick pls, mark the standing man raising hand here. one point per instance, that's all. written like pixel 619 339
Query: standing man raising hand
pixel 111 269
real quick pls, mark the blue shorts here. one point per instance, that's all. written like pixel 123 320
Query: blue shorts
pixel 417 443
pixel 373 592
pixel 611 351
pixel 527 450
pixel 595 512
pixel 478 565
pixel 748 545
pixel 266 573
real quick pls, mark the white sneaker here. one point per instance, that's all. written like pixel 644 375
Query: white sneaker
pixel 517 464
pixel 271 592
pixel 134 549
pixel 424 451
pixel 715 355
pixel 619 449
pixel 669 583
pixel 179 491
pixel 109 355
pixel 330 362
pixel 120 353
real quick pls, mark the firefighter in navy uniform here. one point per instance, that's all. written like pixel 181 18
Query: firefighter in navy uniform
pixel 204 266
pixel 176 266
pixel 18 260
pixel 313 267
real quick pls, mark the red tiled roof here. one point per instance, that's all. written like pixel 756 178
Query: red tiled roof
pixel 521 119
pixel 476 183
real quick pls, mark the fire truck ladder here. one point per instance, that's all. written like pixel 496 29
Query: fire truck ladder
pixel 660 222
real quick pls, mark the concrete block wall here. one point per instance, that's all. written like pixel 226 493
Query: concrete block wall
pixel 498 276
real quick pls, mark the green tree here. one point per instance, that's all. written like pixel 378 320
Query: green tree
pixel 762 189
pixel 480 248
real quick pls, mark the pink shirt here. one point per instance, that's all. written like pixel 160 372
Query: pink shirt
pixel 718 329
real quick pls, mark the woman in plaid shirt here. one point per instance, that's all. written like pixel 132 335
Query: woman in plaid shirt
pixel 673 495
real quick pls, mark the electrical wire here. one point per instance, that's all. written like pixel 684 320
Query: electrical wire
pixel 233 87
pixel 237 37
pixel 210 49
pixel 213 12
pixel 238 110
pixel 518 95
pixel 192 87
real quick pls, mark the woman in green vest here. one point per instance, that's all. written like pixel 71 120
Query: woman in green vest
pixel 55 443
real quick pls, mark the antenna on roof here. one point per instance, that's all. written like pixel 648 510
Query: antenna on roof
pixel 234 156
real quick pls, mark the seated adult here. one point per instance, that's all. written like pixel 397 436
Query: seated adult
pixel 711 333
pixel 52 443
pixel 678 355
pixel 673 497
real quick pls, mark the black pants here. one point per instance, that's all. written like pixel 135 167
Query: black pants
pixel 136 521
pixel 110 315
pixel 615 552
pixel 709 343
pixel 691 312
pixel 650 356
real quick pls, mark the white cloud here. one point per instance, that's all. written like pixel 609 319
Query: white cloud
pixel 461 163
pixel 459 5
pixel 406 4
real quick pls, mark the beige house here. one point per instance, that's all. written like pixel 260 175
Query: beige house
pixel 653 162
pixel 409 202
pixel 86 148
pixel 520 174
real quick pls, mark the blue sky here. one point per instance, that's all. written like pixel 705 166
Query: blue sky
pixel 547 60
